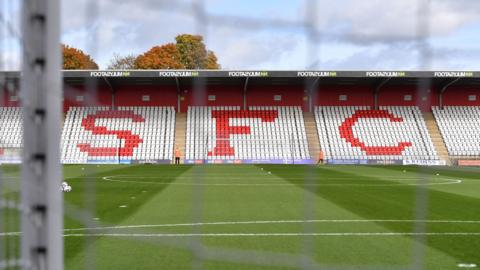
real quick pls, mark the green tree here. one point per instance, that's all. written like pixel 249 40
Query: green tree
pixel 194 54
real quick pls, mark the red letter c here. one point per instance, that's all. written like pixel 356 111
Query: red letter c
pixel 346 132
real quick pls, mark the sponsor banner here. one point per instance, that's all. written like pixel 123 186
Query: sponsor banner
pixel 452 74
pixel 121 161
pixel 363 162
pixel 384 162
pixel 259 73
pixel 93 161
pixel 346 161
pixel 249 161
pixel 179 73
pixel 110 74
pixel 277 161
pixel 110 161
pixel 468 162
pixel 195 161
pixel 248 74
pixel 425 162
pixel 317 74
pixel 151 161
pixel 385 74
pixel 10 155
pixel 10 161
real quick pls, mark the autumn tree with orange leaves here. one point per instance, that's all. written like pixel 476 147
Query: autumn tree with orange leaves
pixel 76 59
pixel 160 57
pixel 189 52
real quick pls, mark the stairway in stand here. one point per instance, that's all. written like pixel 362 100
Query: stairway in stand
pixel 312 135
pixel 180 133
pixel 436 136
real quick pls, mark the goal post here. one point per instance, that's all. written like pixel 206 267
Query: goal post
pixel 41 98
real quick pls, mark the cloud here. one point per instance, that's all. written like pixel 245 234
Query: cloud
pixel 374 33
pixel 122 27
pixel 249 51
pixel 404 56
pixel 10 60
pixel 379 21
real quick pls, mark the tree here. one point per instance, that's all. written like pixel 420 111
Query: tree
pixel 212 61
pixel 122 62
pixel 160 57
pixel 189 52
pixel 194 54
pixel 76 59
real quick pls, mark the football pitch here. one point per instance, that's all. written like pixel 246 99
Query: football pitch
pixel 270 217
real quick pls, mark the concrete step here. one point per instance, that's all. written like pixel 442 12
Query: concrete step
pixel 312 135
pixel 436 136
pixel 180 133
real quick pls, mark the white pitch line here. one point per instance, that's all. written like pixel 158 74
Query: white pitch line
pixel 276 222
pixel 9 234
pixel 364 234
pixel 450 182
pixel 242 176
pixel 262 222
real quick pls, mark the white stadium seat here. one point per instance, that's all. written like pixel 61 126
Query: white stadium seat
pixel 391 133
pixel 260 133
pixel 128 133
pixel 460 129
pixel 11 123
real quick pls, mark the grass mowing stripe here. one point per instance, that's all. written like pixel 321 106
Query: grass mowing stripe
pixel 108 198
pixel 397 202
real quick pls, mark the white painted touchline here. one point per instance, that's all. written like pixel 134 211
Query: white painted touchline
pixel 269 234
pixel 297 177
pixel 263 222
pixel 450 182
pixel 467 265
pixel 276 222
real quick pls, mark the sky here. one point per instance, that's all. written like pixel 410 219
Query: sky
pixel 274 34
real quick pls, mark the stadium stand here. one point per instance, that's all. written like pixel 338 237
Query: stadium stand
pixel 12 130
pixel 259 133
pixel 460 128
pixel 390 133
pixel 98 134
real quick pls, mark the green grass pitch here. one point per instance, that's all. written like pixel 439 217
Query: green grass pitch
pixel 271 217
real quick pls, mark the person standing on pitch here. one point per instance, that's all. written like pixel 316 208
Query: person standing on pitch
pixel 320 158
pixel 178 154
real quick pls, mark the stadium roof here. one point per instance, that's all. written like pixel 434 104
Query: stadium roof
pixel 212 77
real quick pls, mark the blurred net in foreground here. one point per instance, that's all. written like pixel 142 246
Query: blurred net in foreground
pixel 83 212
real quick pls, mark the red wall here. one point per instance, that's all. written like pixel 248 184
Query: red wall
pixel 5 97
pixel 159 96
pixel 263 96
pixel 225 96
pixel 356 96
pixel 458 96
pixel 394 96
pixel 102 97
